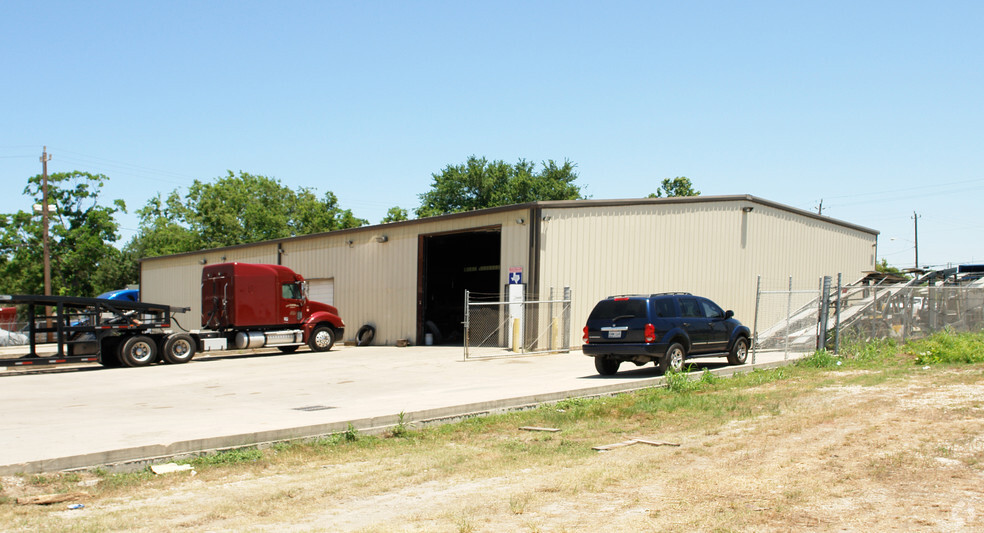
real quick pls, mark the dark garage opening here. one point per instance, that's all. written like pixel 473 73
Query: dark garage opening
pixel 451 264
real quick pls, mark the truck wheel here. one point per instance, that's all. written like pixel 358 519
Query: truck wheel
pixel 739 352
pixel 322 339
pixel 178 349
pixel 138 351
pixel 606 366
pixel 673 360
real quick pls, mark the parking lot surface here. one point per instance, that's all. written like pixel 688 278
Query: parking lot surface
pixel 94 416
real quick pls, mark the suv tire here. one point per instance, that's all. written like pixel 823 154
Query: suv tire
pixel 739 352
pixel 606 366
pixel 673 360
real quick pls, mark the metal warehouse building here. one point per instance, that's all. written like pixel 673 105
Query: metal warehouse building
pixel 402 275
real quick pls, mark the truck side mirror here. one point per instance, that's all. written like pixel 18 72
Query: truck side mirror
pixel 304 290
pixel 728 314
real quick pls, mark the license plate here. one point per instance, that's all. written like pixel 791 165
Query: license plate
pixel 614 334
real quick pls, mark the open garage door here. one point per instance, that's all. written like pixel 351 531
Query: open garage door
pixel 451 263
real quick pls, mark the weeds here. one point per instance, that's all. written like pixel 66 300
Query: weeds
pixel 949 348
pixel 228 458
pixel 820 359
pixel 401 429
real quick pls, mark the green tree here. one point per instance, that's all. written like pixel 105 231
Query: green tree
pixel 479 183
pixel 395 214
pixel 81 232
pixel 885 269
pixel 679 186
pixel 235 209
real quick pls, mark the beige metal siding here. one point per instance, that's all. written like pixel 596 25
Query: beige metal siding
pixel 715 249
pixel 710 246
pixel 375 279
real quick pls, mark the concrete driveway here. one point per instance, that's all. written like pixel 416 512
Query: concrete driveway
pixel 96 416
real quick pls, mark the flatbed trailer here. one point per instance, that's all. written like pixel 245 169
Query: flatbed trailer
pixel 110 332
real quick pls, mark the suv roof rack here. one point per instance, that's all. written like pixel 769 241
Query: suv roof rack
pixel 649 295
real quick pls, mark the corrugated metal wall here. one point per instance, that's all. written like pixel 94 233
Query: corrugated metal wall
pixel 709 246
pixel 375 279
pixel 712 248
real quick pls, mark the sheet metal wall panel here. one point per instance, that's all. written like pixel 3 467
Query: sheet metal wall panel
pixel 374 282
pixel 712 249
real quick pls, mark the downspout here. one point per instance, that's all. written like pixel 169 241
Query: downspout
pixel 534 252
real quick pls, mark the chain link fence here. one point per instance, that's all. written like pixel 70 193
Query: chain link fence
pixel 13 333
pixel 798 320
pixel 497 328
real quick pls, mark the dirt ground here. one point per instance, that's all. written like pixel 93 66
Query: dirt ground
pixel 898 454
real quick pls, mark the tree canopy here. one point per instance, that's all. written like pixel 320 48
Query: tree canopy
pixel 479 183
pixel 84 261
pixel 679 186
pixel 236 209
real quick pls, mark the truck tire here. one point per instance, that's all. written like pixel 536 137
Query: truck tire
pixel 139 350
pixel 322 339
pixel 365 335
pixel 178 349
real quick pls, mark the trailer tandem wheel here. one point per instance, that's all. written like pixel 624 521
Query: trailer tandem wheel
pixel 178 348
pixel 139 350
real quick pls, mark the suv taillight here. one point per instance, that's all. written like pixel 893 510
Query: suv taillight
pixel 585 337
pixel 650 333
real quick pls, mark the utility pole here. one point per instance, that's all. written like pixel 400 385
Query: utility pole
pixel 915 229
pixel 45 157
pixel 820 208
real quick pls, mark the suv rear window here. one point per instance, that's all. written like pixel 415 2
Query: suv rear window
pixel 609 309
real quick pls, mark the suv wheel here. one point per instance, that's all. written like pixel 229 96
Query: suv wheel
pixel 673 360
pixel 739 352
pixel 606 366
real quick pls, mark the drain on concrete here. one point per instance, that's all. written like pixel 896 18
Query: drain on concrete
pixel 314 408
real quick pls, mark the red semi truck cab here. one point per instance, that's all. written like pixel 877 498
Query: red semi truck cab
pixel 266 305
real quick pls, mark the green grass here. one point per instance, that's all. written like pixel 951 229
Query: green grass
pixel 948 348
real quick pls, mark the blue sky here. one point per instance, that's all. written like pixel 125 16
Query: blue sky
pixel 875 108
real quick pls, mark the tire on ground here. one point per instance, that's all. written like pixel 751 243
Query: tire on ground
pixel 322 339
pixel 365 335
pixel 739 352
pixel 138 350
pixel 178 348
pixel 673 359
pixel 606 366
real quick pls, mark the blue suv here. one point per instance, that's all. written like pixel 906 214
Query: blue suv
pixel 663 328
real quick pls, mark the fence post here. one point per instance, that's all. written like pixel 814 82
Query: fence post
pixel 837 322
pixel 467 323
pixel 824 311
pixel 789 310
pixel 755 323
pixel 567 318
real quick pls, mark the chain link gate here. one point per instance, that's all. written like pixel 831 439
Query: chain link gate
pixel 497 328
